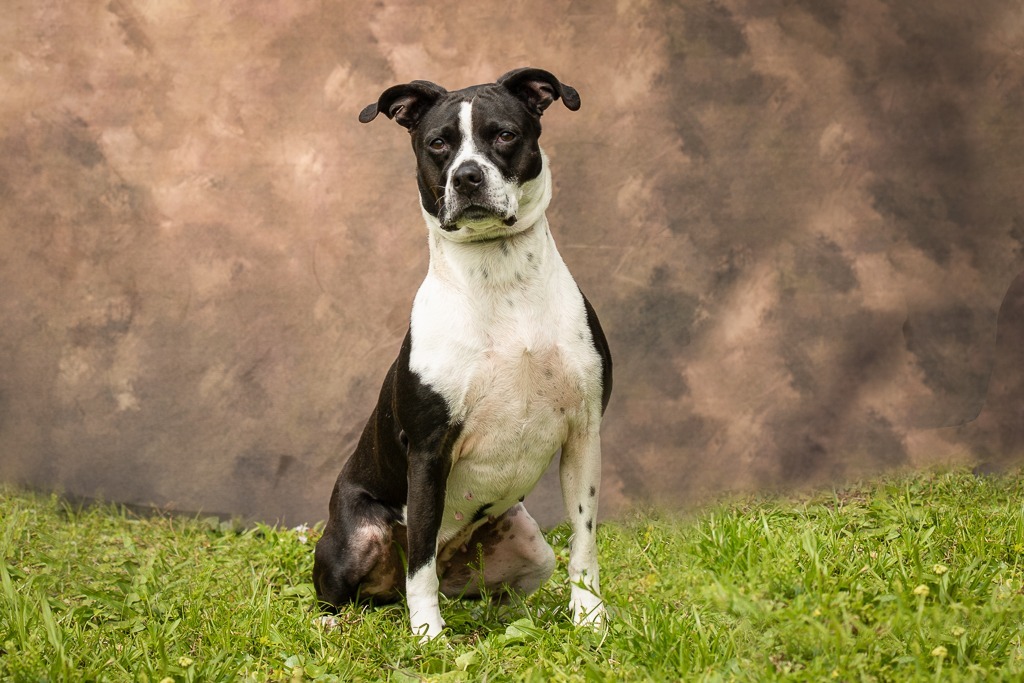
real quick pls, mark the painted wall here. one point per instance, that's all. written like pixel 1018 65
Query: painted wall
pixel 801 222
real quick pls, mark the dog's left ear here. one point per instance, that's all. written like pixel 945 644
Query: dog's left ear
pixel 538 89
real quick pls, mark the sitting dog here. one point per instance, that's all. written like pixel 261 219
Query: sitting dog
pixel 504 364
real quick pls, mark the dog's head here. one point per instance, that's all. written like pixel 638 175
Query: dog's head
pixel 481 171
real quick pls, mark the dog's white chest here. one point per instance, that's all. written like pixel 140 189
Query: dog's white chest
pixel 517 412
pixel 516 366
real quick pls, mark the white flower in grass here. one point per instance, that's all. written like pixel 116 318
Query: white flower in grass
pixel 327 622
pixel 303 532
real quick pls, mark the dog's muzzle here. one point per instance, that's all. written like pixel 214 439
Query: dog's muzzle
pixel 472 197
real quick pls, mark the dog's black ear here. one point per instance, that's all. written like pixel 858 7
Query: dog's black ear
pixel 538 89
pixel 404 103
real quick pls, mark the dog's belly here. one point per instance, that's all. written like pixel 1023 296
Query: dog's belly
pixel 518 409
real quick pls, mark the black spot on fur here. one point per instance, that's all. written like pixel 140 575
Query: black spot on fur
pixel 593 491
pixel 590 525
pixel 480 513
pixel 581 508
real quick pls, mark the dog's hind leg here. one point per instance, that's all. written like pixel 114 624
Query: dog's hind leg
pixel 359 557
pixel 505 555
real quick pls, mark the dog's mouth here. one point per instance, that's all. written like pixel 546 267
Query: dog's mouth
pixel 476 214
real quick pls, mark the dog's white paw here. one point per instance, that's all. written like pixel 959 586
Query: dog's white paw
pixel 426 626
pixel 587 608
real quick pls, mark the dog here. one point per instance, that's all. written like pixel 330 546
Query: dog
pixel 504 364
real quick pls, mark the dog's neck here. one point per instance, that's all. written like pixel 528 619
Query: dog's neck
pixel 499 266
pixel 496 266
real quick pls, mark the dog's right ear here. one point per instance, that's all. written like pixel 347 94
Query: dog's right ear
pixel 404 103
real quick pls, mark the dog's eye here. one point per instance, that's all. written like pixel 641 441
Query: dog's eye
pixel 437 144
pixel 506 136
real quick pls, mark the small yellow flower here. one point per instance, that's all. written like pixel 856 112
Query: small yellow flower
pixel 939 652
pixel 958 631
pixel 940 569
pixel 185 662
pixel 922 590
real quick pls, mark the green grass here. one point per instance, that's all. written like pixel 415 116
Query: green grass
pixel 916 578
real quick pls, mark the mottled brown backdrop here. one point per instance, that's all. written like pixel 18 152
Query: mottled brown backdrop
pixel 801 221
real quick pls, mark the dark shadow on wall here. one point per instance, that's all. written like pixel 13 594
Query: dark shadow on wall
pixel 997 435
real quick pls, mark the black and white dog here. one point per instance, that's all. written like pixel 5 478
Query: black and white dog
pixel 503 365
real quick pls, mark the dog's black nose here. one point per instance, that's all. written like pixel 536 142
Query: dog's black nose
pixel 467 178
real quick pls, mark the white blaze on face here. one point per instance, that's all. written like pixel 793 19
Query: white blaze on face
pixel 467 148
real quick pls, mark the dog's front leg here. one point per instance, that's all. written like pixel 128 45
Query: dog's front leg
pixel 580 473
pixel 428 474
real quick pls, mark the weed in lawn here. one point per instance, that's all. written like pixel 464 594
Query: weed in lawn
pixel 916 578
